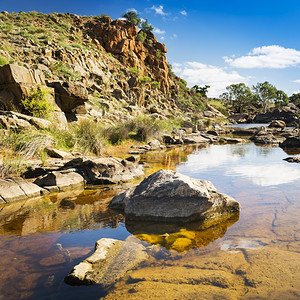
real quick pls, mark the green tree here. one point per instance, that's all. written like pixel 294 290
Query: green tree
pixel 265 93
pixel 202 91
pixel 239 96
pixel 295 98
pixel 281 98
pixel 133 17
pixel 146 27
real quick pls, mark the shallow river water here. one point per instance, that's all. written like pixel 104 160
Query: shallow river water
pixel 253 255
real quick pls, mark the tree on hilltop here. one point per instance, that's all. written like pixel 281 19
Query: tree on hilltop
pixel 146 27
pixel 133 17
pixel 201 90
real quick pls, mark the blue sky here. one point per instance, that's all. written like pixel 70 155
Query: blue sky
pixel 210 42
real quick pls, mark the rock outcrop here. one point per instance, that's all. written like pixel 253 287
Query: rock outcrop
pixel 264 136
pixel 17 121
pixel 167 196
pixel 111 260
pixel 288 114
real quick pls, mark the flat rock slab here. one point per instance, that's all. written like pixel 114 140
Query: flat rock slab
pixel 111 260
pixel 15 189
pixel 63 180
pixel 167 196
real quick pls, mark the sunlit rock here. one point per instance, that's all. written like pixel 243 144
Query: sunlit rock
pixel 111 260
pixel 167 196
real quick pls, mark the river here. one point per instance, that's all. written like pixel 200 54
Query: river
pixel 253 255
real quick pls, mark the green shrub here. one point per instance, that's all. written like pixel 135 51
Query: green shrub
pixel 37 103
pixel 7 27
pixel 142 36
pixel 89 138
pixel 12 166
pixel 136 129
pixel 134 71
pixel 144 79
pixel 64 72
pixel 3 61
pixel 158 53
pixel 155 84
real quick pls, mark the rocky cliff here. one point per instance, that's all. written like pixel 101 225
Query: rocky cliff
pixel 92 66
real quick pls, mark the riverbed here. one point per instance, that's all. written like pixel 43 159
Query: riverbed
pixel 253 255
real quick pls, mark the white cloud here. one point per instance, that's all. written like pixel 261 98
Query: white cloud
pixel 297 81
pixel 132 9
pixel 159 10
pixel 218 78
pixel 184 13
pixel 271 57
pixel 158 31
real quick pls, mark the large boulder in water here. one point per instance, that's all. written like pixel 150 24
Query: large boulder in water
pixel 167 196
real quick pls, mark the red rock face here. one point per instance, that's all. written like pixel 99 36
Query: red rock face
pixel 121 37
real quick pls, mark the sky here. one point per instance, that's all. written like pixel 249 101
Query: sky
pixel 213 42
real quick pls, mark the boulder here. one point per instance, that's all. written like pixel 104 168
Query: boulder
pixel 15 189
pixel 277 124
pixel 291 142
pixel 195 138
pixel 70 96
pixel 167 196
pixel 111 260
pixel 154 144
pixel 263 136
pixel 105 170
pixel 63 180
pixel 16 82
pixel 58 153
pixel 293 159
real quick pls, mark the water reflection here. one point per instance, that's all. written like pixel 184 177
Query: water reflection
pixel 77 209
pixel 267 175
pixel 263 166
pixel 181 237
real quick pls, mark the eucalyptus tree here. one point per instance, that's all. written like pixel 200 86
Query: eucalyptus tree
pixel 240 97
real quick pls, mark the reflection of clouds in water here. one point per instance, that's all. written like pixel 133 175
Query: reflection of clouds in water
pixel 242 244
pixel 209 158
pixel 267 175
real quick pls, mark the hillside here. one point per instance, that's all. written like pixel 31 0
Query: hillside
pixel 91 81
pixel 108 62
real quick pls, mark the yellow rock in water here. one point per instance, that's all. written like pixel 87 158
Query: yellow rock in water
pixel 181 244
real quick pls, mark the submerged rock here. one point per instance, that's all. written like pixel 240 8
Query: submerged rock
pixel 109 262
pixel 167 196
